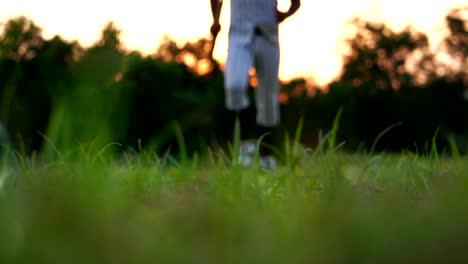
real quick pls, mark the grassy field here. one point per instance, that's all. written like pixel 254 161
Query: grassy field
pixel 318 206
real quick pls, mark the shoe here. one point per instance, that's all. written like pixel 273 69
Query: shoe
pixel 247 151
pixel 268 162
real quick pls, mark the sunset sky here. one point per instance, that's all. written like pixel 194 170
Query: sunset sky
pixel 311 41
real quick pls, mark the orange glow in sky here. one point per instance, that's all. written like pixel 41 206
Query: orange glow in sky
pixel 311 41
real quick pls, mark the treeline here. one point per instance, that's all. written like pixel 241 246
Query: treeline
pixel 56 94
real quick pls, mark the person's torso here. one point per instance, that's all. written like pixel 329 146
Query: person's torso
pixel 249 16
pixel 253 11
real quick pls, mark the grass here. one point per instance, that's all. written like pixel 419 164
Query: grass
pixel 319 206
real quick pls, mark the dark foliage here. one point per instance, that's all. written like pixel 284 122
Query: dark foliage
pixel 105 93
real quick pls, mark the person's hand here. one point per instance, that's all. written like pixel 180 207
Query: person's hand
pixel 281 16
pixel 215 28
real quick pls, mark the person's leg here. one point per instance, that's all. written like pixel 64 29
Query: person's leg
pixel 239 61
pixel 267 57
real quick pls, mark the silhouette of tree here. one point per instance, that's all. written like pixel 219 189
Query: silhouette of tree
pixel 388 71
pixel 162 93
pixel 105 93
pixel 378 56
pixel 456 42
pixel 84 114
pixel 20 39
pixel 168 50
pixel 34 75
pixel 110 37
pixel 196 55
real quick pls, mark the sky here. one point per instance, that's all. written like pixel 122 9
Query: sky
pixel 312 41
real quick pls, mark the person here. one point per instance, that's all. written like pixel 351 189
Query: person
pixel 253 43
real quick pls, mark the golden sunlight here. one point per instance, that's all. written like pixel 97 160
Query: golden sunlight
pixel 311 41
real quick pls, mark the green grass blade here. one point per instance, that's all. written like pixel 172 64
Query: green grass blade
pixel 235 148
pixel 334 130
pixel 181 142
pixel 381 134
pixel 297 138
pixel 434 152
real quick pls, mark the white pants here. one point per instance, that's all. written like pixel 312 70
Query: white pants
pixel 263 54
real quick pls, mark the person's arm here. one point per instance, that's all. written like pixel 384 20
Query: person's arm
pixel 216 12
pixel 281 16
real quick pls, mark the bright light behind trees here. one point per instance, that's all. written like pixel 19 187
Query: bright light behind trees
pixel 311 41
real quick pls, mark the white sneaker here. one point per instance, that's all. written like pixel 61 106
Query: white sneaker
pixel 247 153
pixel 268 162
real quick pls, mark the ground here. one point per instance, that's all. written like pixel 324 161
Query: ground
pixel 317 207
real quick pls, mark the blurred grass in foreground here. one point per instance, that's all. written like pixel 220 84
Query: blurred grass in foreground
pixel 321 208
